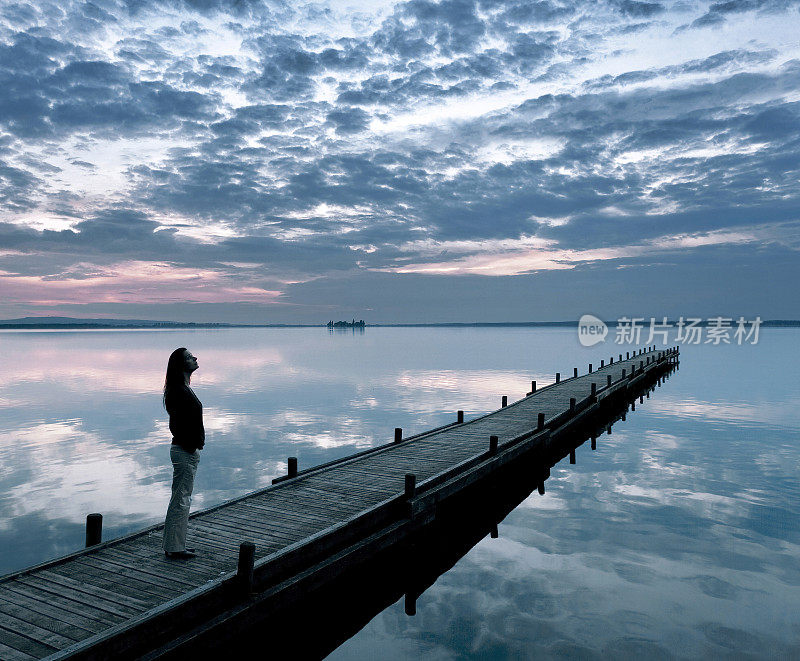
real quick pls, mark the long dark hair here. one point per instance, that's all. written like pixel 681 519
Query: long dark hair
pixel 175 370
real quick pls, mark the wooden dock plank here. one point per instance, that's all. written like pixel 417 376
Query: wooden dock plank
pixel 23 644
pixel 53 619
pixel 70 611
pixel 78 596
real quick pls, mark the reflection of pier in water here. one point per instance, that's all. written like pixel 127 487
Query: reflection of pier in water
pixel 314 530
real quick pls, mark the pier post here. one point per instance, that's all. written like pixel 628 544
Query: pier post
pixel 533 387
pixel 611 360
pixel 493 444
pixel 504 401
pixel 620 357
pixel 602 362
pixel 410 485
pixel 594 389
pixel 94 529
pixel 641 365
pixel 574 372
pixel 292 466
pixel 572 404
pixel 608 381
pixel 627 355
pixel 460 417
pixel 410 604
pixel 244 570
pixel 558 377
pixel 398 434
pixel 590 368
pixel 623 374
pixel 540 421
pixel 572 456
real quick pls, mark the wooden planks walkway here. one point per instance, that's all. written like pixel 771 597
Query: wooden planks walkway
pixel 98 600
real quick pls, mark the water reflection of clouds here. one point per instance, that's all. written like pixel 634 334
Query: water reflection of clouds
pixel 65 467
pixel 733 412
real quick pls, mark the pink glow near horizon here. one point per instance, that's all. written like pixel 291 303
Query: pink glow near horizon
pixel 133 282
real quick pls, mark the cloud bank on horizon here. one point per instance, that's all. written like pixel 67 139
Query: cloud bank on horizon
pixel 214 160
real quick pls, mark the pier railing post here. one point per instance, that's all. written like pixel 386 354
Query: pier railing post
pixel 533 387
pixel 540 421
pixel 608 381
pixel 244 570
pixel 410 486
pixel 558 377
pixel 590 368
pixel 94 529
pixel 292 466
pixel 574 372
pixel 504 401
pixel 493 440
pixel 398 434
pixel 594 389
pixel 602 362
pixel 460 416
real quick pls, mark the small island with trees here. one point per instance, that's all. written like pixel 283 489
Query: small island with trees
pixel 347 324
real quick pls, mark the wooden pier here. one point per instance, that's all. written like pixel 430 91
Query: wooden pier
pixel 260 552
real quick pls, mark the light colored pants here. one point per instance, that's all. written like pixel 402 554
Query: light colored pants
pixel 184 467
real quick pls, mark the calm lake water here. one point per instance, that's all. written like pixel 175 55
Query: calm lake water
pixel 678 537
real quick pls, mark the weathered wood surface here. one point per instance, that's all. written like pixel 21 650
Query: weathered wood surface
pixel 90 597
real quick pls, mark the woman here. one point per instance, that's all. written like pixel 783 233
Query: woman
pixel 188 437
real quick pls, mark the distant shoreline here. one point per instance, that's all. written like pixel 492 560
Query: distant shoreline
pixel 770 323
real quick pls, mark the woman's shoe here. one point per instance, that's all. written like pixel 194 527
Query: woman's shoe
pixel 181 555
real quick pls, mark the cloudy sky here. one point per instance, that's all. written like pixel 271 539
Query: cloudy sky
pixel 490 160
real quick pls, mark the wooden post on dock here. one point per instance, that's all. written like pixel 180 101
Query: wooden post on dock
pixel 292 466
pixel 398 434
pixel 410 485
pixel 594 389
pixel 602 362
pixel 627 355
pixel 533 387
pixel 94 529
pixel 244 570
pixel 504 401
pixel 620 358
pixel 540 421
pixel 574 372
pixel 611 360
pixel 558 377
pixel 608 381
pixel 493 444
pixel 460 417
pixel 410 604
pixel 623 374
pixel 590 368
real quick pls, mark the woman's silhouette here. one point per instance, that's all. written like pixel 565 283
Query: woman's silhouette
pixel 188 437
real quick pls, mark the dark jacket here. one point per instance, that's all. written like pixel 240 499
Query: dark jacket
pixel 186 419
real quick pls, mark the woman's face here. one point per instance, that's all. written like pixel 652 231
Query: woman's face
pixel 189 362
